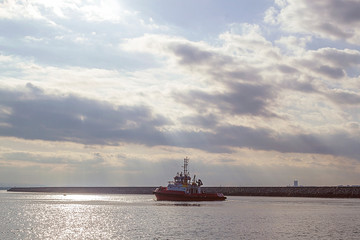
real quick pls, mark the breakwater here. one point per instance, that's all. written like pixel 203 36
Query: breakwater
pixel 320 192
pixel 88 190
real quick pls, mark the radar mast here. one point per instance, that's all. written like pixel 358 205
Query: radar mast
pixel 186 173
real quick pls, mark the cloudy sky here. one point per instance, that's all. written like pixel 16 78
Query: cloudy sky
pixel 117 93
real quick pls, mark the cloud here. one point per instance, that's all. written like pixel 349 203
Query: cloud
pixel 242 89
pixel 226 137
pixel 293 45
pixel 206 121
pixel 342 58
pixel 328 63
pixel 92 11
pixel 19 9
pixel 343 97
pixel 240 99
pixel 332 72
pixel 241 81
pixel 190 55
pixel 333 19
pixel 304 86
pixel 52 158
pixel 32 114
pixel 68 33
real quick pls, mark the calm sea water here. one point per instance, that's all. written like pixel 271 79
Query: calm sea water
pixel 57 216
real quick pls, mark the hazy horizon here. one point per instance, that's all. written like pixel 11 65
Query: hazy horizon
pixel 117 93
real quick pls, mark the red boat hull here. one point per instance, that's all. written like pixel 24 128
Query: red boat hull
pixel 181 196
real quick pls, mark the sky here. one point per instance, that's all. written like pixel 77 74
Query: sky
pixel 117 93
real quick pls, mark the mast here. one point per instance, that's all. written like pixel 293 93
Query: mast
pixel 186 162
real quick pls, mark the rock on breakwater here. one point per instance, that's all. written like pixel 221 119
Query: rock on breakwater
pixel 320 192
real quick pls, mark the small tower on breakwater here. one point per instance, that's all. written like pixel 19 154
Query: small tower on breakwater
pixel 296 183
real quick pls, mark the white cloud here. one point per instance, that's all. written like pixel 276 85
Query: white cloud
pixel 248 42
pixel 16 9
pixel 293 45
pixel 270 15
pixel 102 10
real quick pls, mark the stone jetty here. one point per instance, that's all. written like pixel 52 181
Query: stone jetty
pixel 87 190
pixel 319 192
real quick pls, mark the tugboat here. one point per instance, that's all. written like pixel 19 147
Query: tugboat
pixel 183 189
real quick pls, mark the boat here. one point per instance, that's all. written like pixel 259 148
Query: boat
pixel 183 188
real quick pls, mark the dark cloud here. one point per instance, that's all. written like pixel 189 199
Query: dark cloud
pixel 340 58
pixel 223 138
pixel 332 30
pixel 325 70
pixel 237 98
pixel 248 73
pixel 344 97
pixel 218 67
pixel 306 86
pixel 34 115
pixel 193 55
pixel 207 121
pixel 287 69
pixel 332 72
pixel 240 99
pixel 248 98
pixel 346 12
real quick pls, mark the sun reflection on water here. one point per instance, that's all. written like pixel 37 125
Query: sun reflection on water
pixel 87 216
pixel 82 197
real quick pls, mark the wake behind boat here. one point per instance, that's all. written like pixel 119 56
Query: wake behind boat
pixel 185 189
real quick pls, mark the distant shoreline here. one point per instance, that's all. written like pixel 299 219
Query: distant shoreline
pixel 317 192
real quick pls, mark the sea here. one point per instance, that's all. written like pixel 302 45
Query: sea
pixel 88 216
